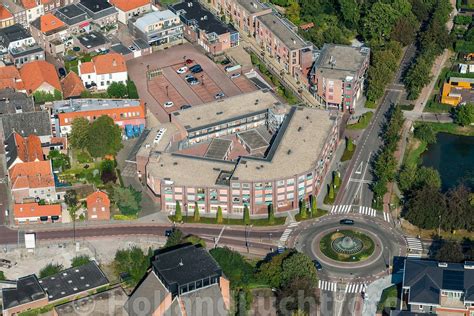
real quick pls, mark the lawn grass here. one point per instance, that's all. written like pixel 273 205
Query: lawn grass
pixel 231 221
pixel 388 298
pixel 363 121
pixel 413 153
pixel 366 251
pixel 451 128
pixel 406 107
pixel 436 107
pixel 318 213
pixel 347 155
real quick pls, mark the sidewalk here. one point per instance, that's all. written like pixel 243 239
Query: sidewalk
pixel 373 293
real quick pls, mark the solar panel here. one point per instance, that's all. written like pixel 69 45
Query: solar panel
pixel 453 280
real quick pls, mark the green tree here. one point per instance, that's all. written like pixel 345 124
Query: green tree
pixel 195 240
pixel 178 216
pixel 378 23
pixel 219 218
pixel 349 144
pixel 79 136
pixel 81 260
pixel 289 298
pixel 70 198
pixel 117 90
pixel 404 30
pixel 235 267
pixel 424 206
pixel 132 261
pixel 2 276
pixel 460 209
pixel 303 209
pixel 107 171
pixel 270 272
pixel 427 176
pixel 293 11
pixel 59 160
pixel 464 114
pixel 331 191
pixel 350 12
pixel 175 238
pixel 196 212
pixel 132 90
pixel 298 265
pixel 450 251
pixel 425 133
pixel 107 137
pixel 127 200
pixel 337 179
pixel 407 177
pixel 271 214
pixel 50 269
pixel 314 206
pixel 246 215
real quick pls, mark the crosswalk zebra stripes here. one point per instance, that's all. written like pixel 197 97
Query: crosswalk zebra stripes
pixel 386 216
pixel 286 234
pixel 355 287
pixel 414 244
pixel 367 211
pixel 341 209
pixel 327 286
pixel 348 288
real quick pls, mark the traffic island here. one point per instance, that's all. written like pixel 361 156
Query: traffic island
pixel 347 246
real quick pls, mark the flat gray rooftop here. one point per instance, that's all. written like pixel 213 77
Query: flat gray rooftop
pixel 340 61
pixel 298 151
pixel 253 6
pixel 253 139
pixel 283 31
pixel 224 109
pixel 78 105
pixel 218 148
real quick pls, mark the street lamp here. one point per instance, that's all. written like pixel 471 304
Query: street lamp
pixel 167 91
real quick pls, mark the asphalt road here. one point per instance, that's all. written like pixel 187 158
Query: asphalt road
pixel 355 186
pixel 258 238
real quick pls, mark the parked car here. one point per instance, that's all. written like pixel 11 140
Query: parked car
pixel 194 82
pixel 189 61
pixel 182 70
pixel 62 72
pixel 168 104
pixel 236 75
pixel 168 232
pixel 132 48
pixel 317 265
pixel 219 95
pixel 225 62
pixel 185 106
pixel 188 77
pixel 346 221
pixel 228 67
pixel 196 68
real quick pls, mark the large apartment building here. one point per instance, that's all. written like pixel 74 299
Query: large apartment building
pixel 279 39
pixel 123 112
pixel 338 74
pixel 249 150
pixel 243 13
pixel 201 26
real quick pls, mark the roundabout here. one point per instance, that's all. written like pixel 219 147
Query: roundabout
pixel 361 251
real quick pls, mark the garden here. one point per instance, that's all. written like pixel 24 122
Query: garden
pixel 347 246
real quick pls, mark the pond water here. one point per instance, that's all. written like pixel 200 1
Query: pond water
pixel 453 156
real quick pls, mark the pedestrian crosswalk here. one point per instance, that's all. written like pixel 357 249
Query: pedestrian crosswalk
pixel 286 234
pixel 330 286
pixel 386 216
pixel 414 244
pixel 327 286
pixel 367 211
pixel 341 209
pixel 355 287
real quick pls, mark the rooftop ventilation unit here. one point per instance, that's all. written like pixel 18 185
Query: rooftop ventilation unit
pixel 442 264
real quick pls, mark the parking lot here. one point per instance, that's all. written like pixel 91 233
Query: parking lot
pixel 169 86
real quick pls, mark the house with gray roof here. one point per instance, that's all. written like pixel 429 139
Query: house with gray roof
pixel 438 287
pixel 75 17
pixel 181 278
pixel 104 16
pixel 18 47
pixel 157 28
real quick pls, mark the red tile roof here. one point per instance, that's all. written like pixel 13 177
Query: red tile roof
pixel 87 68
pixel 37 174
pixel 36 210
pixel 109 63
pixel 49 23
pixel 28 148
pixel 29 4
pixel 10 78
pixel 72 85
pixel 36 73
pixel 127 5
pixel 98 197
pixel 4 13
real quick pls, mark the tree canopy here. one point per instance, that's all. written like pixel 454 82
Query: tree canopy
pixel 79 137
pixel 50 269
pixel 132 261
pixel 127 200
pixel 81 260
pixel 464 114
pixel 105 137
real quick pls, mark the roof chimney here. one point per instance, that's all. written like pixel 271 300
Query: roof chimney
pixel 114 63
